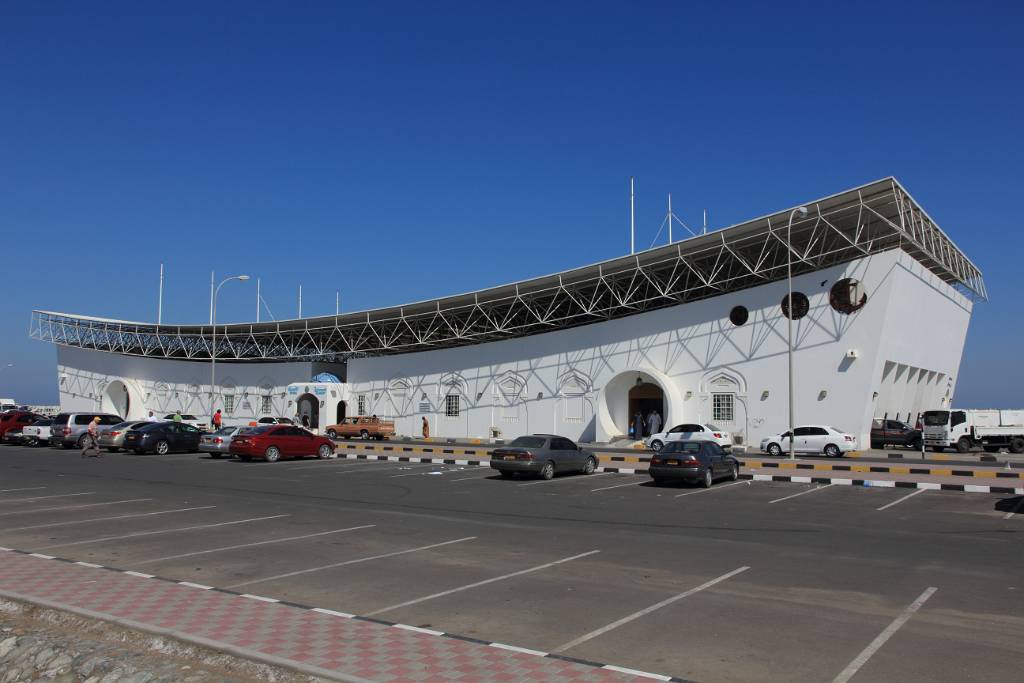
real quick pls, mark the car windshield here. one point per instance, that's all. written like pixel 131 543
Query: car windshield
pixel 123 425
pixel 149 426
pixel 188 417
pixel 936 418
pixel 681 447
pixel 224 431
pixel 528 442
pixel 262 429
pixel 714 428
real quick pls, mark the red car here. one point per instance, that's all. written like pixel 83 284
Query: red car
pixel 273 442
pixel 15 419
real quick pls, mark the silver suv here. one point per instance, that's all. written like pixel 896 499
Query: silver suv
pixel 69 429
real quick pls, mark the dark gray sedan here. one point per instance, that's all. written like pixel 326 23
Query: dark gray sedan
pixel 694 461
pixel 542 455
pixel 112 438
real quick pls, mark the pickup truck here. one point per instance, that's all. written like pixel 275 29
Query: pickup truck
pixel 37 433
pixel 885 432
pixel 363 427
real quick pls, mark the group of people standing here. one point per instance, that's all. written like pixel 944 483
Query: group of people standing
pixel 641 425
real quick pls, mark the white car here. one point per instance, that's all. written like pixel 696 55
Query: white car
pixel 187 419
pixel 690 432
pixel 814 439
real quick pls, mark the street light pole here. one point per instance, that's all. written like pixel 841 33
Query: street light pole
pixel 213 321
pixel 802 210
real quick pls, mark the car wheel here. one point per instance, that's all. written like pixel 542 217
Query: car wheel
pixel 331 433
pixel 916 444
pixel 505 474
pixel 734 473
pixel 324 452
pixel 963 445
pixel 273 454
pixel 548 471
pixel 1017 445
pixel 657 445
pixel 81 442
pixel 832 451
pixel 590 466
pixel 163 448
pixel 774 449
pixel 364 435
pixel 708 480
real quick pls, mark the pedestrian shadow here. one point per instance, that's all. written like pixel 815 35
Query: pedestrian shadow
pixel 1011 504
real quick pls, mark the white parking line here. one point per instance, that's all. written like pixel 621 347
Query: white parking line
pixel 561 479
pixel 647 610
pixel 489 473
pixel 900 500
pixel 481 583
pixel 802 493
pixel 27 488
pixel 61 495
pixel 105 519
pixel 334 464
pixel 355 561
pixel 618 486
pixel 860 660
pixel 419 474
pixel 159 531
pixel 713 488
pixel 1015 510
pixel 73 507
pixel 250 545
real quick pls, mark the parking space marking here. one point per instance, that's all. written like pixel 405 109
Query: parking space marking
pixel 1015 510
pixel 802 493
pixel 647 610
pixel 27 488
pixel 488 474
pixel 73 507
pixel 860 660
pixel 618 486
pixel 334 463
pixel 105 519
pixel 561 479
pixel 713 488
pixel 350 562
pixel 903 498
pixel 160 531
pixel 485 582
pixel 60 495
pixel 419 474
pixel 250 545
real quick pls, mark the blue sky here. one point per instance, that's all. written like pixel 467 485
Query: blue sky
pixel 399 151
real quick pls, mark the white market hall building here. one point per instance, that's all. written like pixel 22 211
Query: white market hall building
pixel 695 329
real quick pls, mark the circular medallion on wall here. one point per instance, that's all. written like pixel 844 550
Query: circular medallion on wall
pixel 801 305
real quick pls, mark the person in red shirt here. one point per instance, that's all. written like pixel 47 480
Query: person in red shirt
pixel 216 419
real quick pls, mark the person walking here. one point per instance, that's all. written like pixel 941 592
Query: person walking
pixel 426 428
pixel 151 417
pixel 216 420
pixel 91 436
pixel 638 425
pixel 177 416
pixel 653 422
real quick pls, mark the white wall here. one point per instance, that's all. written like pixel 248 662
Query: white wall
pixel 685 349
pixel 164 386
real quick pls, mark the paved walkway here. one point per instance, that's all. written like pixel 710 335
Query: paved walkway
pixel 318 642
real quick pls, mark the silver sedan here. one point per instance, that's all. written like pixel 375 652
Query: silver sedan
pixel 112 438
pixel 219 442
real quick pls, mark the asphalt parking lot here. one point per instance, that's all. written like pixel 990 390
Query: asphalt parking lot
pixel 746 581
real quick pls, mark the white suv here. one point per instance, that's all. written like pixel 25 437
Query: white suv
pixel 690 432
pixel 815 439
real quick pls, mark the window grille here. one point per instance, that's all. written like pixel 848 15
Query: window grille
pixel 229 403
pixel 361 404
pixel 267 404
pixel 451 405
pixel 723 407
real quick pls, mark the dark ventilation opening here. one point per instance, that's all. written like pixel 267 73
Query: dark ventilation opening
pixel 847 295
pixel 801 306
pixel 739 315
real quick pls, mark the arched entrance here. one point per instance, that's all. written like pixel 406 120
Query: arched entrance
pixel 342 408
pixel 632 390
pixel 116 399
pixel 644 399
pixel 308 412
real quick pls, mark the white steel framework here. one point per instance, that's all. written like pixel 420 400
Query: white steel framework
pixel 870 219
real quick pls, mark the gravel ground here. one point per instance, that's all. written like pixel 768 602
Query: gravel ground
pixel 39 644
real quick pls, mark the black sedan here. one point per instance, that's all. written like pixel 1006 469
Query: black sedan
pixel 693 461
pixel 162 438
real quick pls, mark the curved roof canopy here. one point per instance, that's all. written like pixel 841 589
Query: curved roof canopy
pixel 869 219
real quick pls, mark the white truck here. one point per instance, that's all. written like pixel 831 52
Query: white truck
pixel 965 429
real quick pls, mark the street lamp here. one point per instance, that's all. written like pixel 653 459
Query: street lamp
pixel 213 354
pixel 802 210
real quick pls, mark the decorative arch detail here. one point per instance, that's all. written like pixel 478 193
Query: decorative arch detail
pixel 725 379
pixel 574 383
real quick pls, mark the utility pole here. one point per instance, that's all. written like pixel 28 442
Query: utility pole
pixel 300 301
pixel 337 302
pixel 257 299
pixel 211 297
pixel 670 218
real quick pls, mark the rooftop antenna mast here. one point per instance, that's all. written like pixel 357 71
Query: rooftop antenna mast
pixel 670 218
pixel 705 222
pixel 632 219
